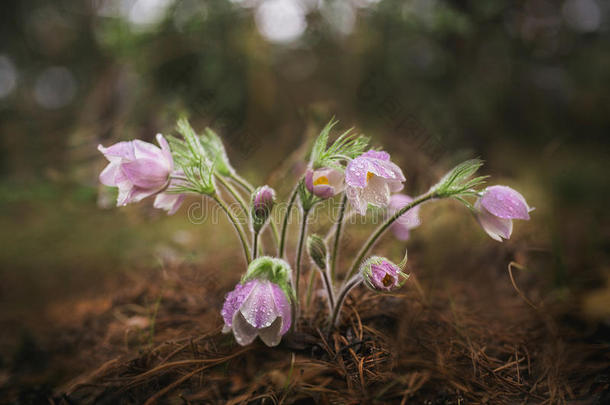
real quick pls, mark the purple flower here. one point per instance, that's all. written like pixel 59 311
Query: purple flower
pixel 370 178
pixel 263 200
pixel 497 208
pixel 407 221
pixel 324 183
pixel 381 274
pixel 139 169
pixel 257 308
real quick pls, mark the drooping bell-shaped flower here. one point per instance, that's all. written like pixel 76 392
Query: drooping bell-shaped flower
pixel 139 169
pixel 497 208
pixel 382 275
pixel 263 200
pixel 370 179
pixel 260 304
pixel 402 226
pixel 324 183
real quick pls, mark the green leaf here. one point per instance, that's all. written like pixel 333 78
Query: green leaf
pixel 216 150
pixel 346 147
pixel 458 182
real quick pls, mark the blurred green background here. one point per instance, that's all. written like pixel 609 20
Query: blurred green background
pixel 525 85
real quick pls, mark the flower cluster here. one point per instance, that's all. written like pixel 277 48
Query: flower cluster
pixel 266 301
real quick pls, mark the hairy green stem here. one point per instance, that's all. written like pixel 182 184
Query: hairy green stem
pixel 312 276
pixel 330 293
pixel 250 188
pixel 293 196
pixel 255 244
pixel 235 194
pixel 333 257
pixel 349 285
pixel 298 258
pixel 235 222
pixel 382 228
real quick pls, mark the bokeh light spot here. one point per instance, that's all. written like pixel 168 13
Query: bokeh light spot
pixel 281 21
pixel 55 88
pixel 8 76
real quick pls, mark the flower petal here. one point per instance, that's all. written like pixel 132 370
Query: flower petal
pixel 282 306
pixel 376 154
pixel 357 171
pixel 272 335
pixel 504 202
pixel 146 150
pixel 234 300
pixel 108 175
pixel 146 173
pixel 354 195
pixel 497 228
pixel 323 191
pixel 243 331
pixel 169 202
pixel 259 309
pixel 309 180
pixel 118 151
pixel 377 192
pixel 165 150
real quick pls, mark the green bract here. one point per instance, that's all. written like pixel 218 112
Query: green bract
pixel 191 158
pixel 458 184
pixel 346 147
pixel 216 151
pixel 276 270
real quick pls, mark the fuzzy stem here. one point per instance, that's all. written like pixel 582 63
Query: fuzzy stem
pixel 333 257
pixel 235 222
pixel 310 287
pixel 349 285
pixel 243 183
pixel 382 228
pixel 255 244
pixel 234 193
pixel 285 222
pixel 298 258
pixel 330 293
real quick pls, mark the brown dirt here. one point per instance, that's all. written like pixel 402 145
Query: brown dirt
pixel 158 340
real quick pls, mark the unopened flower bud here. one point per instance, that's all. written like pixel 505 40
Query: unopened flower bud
pixel 317 250
pixel 263 200
pixel 380 274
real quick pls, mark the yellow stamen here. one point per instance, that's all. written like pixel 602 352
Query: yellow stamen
pixel 387 280
pixel 321 180
pixel 368 176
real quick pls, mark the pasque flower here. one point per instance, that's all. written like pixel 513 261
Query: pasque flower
pixel 169 201
pixel 257 308
pixel 496 209
pixel 325 182
pixel 263 200
pixel 380 274
pixel 402 226
pixel 370 179
pixel 139 169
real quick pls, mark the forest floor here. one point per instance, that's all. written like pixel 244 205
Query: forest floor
pixel 155 338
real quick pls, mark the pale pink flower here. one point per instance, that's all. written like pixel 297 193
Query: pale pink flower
pixel 139 169
pixel 324 183
pixel 497 208
pixel 257 308
pixel 370 179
